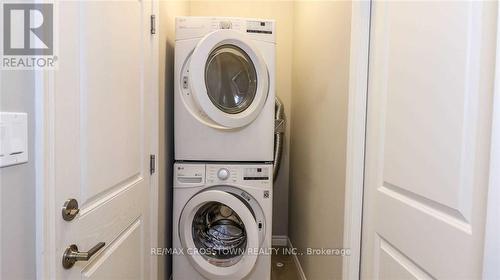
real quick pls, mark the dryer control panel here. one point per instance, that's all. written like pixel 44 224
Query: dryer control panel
pixel 197 27
pixel 260 26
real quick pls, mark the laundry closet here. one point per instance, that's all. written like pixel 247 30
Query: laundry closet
pixel 311 70
pixel 388 119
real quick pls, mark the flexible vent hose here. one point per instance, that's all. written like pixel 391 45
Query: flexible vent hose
pixel 279 134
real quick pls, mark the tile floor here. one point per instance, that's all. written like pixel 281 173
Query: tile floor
pixel 286 272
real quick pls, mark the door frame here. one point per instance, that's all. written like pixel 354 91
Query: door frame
pixel 45 174
pixel 44 156
pixel 356 127
pixel 355 154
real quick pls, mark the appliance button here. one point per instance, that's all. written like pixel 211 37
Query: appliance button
pixel 225 25
pixel 223 174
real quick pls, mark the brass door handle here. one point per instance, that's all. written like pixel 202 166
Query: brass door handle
pixel 72 255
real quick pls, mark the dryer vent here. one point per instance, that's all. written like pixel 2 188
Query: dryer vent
pixel 279 134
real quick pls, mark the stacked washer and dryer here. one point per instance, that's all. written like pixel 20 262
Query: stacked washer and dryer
pixel 224 139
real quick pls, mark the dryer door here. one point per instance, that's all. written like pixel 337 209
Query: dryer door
pixel 228 78
pixel 219 235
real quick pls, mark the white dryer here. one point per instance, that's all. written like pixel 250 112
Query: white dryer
pixel 224 83
pixel 222 221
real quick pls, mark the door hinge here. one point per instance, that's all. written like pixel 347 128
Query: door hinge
pixel 153 24
pixel 152 164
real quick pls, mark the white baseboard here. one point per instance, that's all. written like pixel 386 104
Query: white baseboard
pixel 283 240
pixel 279 240
pixel 297 262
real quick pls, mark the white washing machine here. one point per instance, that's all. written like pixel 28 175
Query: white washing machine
pixel 222 221
pixel 224 89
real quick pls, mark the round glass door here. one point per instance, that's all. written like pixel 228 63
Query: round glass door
pixel 219 234
pixel 231 79
pixel 221 231
pixel 228 79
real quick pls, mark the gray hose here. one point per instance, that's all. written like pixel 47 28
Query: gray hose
pixel 279 134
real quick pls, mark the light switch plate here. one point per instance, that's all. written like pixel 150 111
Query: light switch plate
pixel 13 138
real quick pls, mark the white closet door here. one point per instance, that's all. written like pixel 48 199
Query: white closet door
pixel 430 92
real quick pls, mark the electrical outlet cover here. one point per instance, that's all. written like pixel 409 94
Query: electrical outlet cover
pixel 13 138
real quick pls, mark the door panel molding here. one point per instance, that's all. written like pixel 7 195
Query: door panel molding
pixel 91 203
pixel 384 248
pixel 432 208
pixel 94 266
pixel 450 138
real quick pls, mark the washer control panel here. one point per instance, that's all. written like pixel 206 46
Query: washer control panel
pixel 243 174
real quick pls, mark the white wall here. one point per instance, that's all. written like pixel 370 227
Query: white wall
pixel 17 185
pixel 282 12
pixel 321 42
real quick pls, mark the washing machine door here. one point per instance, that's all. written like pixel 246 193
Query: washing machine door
pixel 219 235
pixel 228 78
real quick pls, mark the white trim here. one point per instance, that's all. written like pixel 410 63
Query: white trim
pixel 491 269
pixel 283 240
pixel 280 240
pixel 1 261
pixel 154 195
pixel 302 275
pixel 358 86
pixel 45 175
